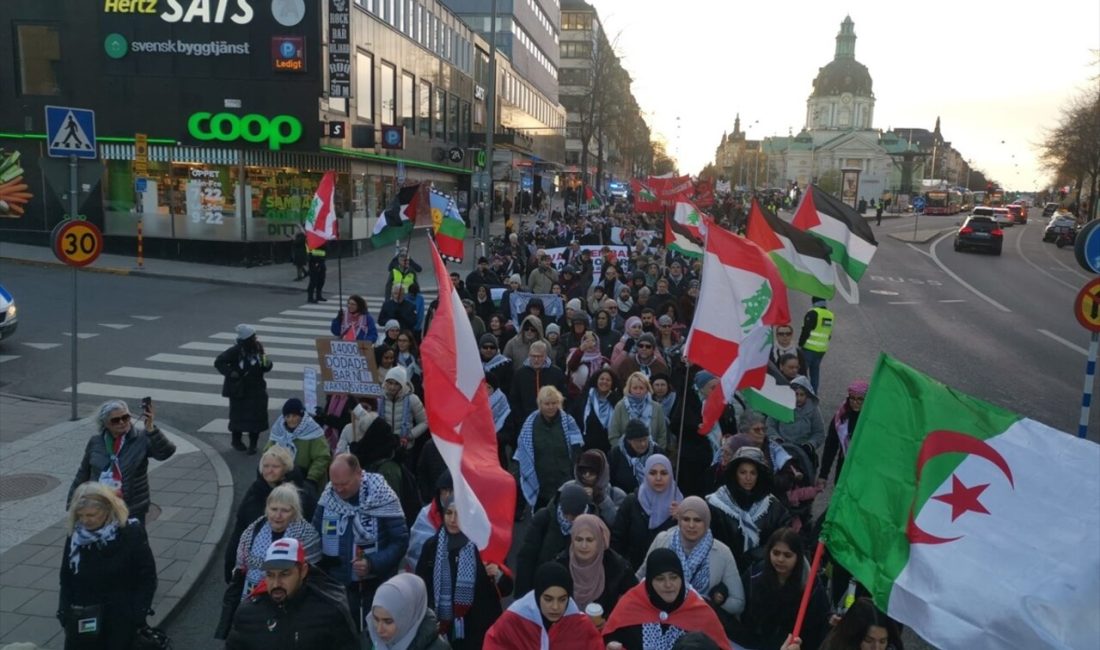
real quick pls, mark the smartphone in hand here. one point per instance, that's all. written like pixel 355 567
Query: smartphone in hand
pixel 146 402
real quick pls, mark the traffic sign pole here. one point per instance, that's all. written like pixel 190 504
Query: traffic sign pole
pixel 1086 397
pixel 73 207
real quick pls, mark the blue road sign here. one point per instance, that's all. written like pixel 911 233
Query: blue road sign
pixel 70 132
pixel 141 184
pixel 918 203
pixel 1088 247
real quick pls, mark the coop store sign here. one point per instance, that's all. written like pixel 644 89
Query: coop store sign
pixel 190 11
pixel 227 127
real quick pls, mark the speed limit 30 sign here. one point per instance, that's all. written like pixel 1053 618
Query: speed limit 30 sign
pixel 77 242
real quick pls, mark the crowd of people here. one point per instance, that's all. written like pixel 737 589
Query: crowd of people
pixel 633 529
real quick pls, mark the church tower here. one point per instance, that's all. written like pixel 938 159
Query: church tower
pixel 842 98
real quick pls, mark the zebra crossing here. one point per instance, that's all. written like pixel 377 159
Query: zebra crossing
pixel 186 376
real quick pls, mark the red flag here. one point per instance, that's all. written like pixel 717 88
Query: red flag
pixel 321 222
pixel 645 199
pixel 704 193
pixel 671 190
pixel 456 399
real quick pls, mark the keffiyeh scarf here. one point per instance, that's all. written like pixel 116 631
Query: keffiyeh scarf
pixel 563 523
pixel 452 602
pixel 639 408
pixel 83 537
pixel 746 519
pixel 600 405
pixel 654 638
pixel 637 463
pixel 525 451
pixel 697 562
pixel 307 429
pixel 376 499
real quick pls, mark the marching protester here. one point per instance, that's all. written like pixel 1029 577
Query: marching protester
pixel 841 428
pixel 545 617
pixel 637 405
pixel 108 572
pixel 354 324
pixel 744 513
pixel 401 619
pixel 549 532
pixel 594 407
pixel 243 367
pixel 117 456
pixel 630 456
pixel 647 511
pixel 404 412
pixel 593 473
pixel 600 575
pixel 546 449
pixel 299 434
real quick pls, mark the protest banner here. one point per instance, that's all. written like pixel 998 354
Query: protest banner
pixel 622 255
pixel 348 367
pixel 552 305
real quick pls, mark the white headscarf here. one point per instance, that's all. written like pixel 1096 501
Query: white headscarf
pixel 405 597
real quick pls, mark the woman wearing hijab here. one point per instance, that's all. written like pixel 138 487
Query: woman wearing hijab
pixel 595 410
pixel 299 434
pixel 647 511
pixel 108 572
pixel 400 618
pixel 839 437
pixel 355 324
pixel 600 575
pixel 708 564
pixel 744 512
pixel 546 617
pixel 774 594
pixel 607 334
pixel 463 591
pixel 625 346
pixel 654 614
pixel 549 532
pixel 637 404
pixel 593 473
pixel 483 304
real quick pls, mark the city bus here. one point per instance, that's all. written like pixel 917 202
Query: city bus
pixel 942 202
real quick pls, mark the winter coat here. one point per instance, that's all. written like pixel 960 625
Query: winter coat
pixel 246 388
pixel 517 348
pixel 254 505
pixel 426 638
pixel 403 312
pixel 807 428
pixel 622 473
pixel 311 457
pixel 625 365
pixel 121 576
pixel 526 382
pixel 486 608
pixel 723 571
pixel 393 541
pixel 658 427
pixel 595 434
pixel 617 578
pixel 367 332
pixel 408 425
pixel 767 619
pixel 542 543
pixel 608 507
pixel 542 280
pixel 631 534
pixel 727 529
pixel 317 616
pixel 133 459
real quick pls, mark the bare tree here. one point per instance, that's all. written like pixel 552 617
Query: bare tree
pixel 1071 150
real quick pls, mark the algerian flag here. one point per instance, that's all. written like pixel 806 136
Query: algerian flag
pixel 976 527
pixel 802 259
pixel 839 226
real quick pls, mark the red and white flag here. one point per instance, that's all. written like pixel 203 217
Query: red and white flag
pixel 456 399
pixel 741 296
pixel 321 222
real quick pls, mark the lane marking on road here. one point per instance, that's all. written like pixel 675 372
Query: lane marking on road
pixel 116 326
pixel 271 352
pixel 955 277
pixel 146 317
pixel 1075 271
pixel 884 292
pixel 4 358
pixel 285 340
pixel 1069 344
pixel 952 300
pixel 903 302
pixel 81 335
pixel 1035 266
pixel 43 346
pixel 191 360
pixel 210 379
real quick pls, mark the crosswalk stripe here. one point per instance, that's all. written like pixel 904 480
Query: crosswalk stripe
pixel 81 335
pixel 116 326
pixel 285 340
pixel 271 352
pixel 308 314
pixel 211 379
pixel 290 321
pixel 190 360
pixel 166 395
pixel 4 358
pixel 279 329
pixel 43 346
pixel 146 317
pixel 217 425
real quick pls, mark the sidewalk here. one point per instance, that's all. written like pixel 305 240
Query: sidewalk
pixel 361 274
pixel 192 494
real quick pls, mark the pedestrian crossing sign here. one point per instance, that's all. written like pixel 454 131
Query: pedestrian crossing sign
pixel 70 132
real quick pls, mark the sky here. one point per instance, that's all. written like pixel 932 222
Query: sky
pixel 996 74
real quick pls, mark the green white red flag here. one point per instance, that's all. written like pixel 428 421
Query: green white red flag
pixel 691 217
pixel 978 528
pixel 841 227
pixel 321 224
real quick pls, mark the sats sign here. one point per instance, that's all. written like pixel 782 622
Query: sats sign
pixel 185 11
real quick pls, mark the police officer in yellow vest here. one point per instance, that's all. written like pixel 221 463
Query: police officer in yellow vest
pixel 817 330
pixel 402 271
pixel 316 274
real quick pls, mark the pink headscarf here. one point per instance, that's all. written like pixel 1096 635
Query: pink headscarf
pixel 588 577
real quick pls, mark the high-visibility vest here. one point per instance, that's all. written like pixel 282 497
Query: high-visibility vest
pixel 818 341
pixel 405 280
pixel 316 252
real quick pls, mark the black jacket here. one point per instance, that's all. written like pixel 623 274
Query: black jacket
pixel 486 608
pixel 618 578
pixel 525 389
pixel 631 535
pixel 727 530
pixel 122 576
pixel 133 459
pixel 253 506
pixel 541 544
pixel 403 312
pixel 315 617
pixel 246 389
pixel 622 474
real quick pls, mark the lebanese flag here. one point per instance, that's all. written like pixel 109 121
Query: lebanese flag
pixel 645 200
pixel 741 296
pixel 456 399
pixel 321 222
pixel 976 527
pixel 802 259
pixel 841 227
pixel 691 217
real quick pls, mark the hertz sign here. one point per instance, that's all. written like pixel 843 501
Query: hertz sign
pixel 255 128
pixel 187 11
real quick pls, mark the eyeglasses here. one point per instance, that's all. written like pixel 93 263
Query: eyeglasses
pixel 120 419
pixel 488 347
pixel 644 346
pixel 856 398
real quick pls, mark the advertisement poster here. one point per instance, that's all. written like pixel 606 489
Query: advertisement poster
pixel 205 200
pixel 14 190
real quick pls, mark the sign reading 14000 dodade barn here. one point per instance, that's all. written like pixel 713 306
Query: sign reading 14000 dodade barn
pixel 348 367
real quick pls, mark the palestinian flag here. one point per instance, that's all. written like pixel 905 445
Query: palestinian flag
pixel 396 221
pixel 771 399
pixel 448 226
pixel 680 239
pixel 802 259
pixel 594 201
pixel 839 226
pixel 645 200
pixel 976 527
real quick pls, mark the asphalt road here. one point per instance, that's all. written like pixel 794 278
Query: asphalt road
pixel 999 328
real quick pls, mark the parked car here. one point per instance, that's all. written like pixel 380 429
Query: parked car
pixel 1049 209
pixel 8 320
pixel 1018 212
pixel 980 232
pixel 1059 223
pixel 1000 215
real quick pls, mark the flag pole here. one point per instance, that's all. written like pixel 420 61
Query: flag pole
pixel 808 589
pixel 683 412
pixel 339 266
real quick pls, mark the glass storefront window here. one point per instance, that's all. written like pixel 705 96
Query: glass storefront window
pixel 389 93
pixel 440 113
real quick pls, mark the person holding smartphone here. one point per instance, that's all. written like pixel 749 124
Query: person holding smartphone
pixel 118 454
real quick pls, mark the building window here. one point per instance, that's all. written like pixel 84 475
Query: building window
pixel 418 20
pixel 452 120
pixel 39 65
pixel 408 83
pixel 389 93
pixel 364 86
pixel 425 112
pixel 440 114
pixel 576 50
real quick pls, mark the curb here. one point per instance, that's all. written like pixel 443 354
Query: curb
pixel 217 530
pixel 908 239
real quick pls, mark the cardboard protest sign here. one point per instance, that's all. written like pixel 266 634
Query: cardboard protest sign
pixel 348 367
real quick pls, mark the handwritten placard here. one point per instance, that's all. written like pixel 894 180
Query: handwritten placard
pixel 347 367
